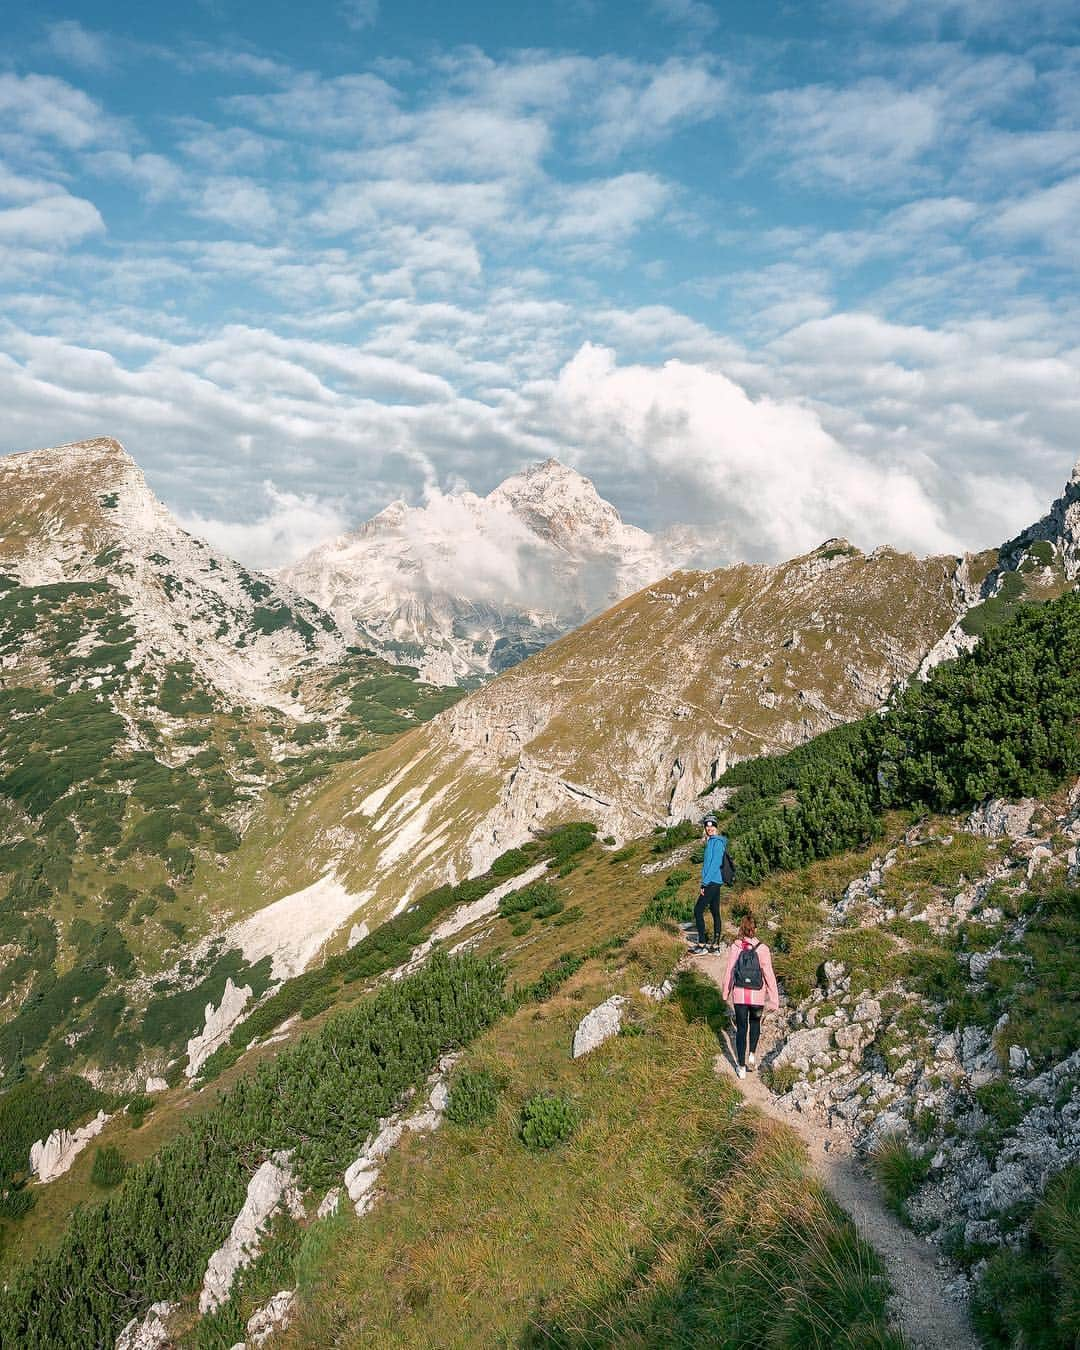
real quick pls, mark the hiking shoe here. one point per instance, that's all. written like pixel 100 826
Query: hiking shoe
pixel 740 1072
pixel 750 1060
pixel 697 949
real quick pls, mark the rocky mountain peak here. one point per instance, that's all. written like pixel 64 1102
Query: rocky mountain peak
pixel 559 503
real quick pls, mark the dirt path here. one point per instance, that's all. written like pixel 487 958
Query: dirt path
pixel 923 1310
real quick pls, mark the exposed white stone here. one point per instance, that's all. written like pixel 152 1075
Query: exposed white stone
pixel 357 933
pixel 361 1176
pixel 219 1023
pixel 272 1316
pixel 658 992
pixel 156 1085
pixel 330 1203
pixel 270 1191
pixel 998 818
pixel 51 1158
pixel 293 929
pixel 599 1025
pixel 149 1334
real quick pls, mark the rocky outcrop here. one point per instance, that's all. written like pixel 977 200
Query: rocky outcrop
pixel 51 1158
pixel 272 1190
pixel 149 1333
pixel 272 1316
pixel 362 1175
pixel 599 1025
pixel 219 1022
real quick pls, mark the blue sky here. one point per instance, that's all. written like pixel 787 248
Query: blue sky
pixel 779 271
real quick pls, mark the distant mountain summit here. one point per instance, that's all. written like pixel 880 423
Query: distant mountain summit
pixel 83 515
pixel 466 586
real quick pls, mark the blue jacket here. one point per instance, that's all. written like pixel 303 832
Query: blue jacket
pixel 714 853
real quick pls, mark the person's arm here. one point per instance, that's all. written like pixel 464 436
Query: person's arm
pixel 773 994
pixel 725 987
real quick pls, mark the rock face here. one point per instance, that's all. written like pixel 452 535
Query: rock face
pixel 219 1023
pixel 51 1158
pixel 599 1025
pixel 149 1334
pixel 271 1190
pixel 469 585
pixel 83 512
pixel 273 1316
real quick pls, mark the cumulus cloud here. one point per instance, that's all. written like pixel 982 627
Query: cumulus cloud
pixel 292 524
pixel 1049 215
pixel 52 217
pixel 46 108
pixel 764 473
pixel 360 14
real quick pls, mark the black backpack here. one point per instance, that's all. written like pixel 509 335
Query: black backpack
pixel 747 972
pixel 727 867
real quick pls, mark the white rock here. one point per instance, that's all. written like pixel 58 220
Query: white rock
pixel 1040 855
pixel 1019 1059
pixel 270 1190
pixel 272 1316
pixel 357 933
pixel 804 1046
pixel 599 1025
pixel 156 1085
pixel 658 992
pixel 997 818
pixel 149 1334
pixel 51 1158
pixel 361 1176
pixel 218 1024
pixel 330 1203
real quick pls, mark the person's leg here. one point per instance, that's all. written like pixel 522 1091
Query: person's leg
pixel 741 1011
pixel 712 894
pixel 755 1027
pixel 699 919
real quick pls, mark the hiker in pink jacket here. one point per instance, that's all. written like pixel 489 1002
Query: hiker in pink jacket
pixel 749 985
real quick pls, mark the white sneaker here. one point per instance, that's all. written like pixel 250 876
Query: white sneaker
pixel 750 1060
pixel 740 1072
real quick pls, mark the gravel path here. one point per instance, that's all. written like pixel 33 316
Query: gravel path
pixel 923 1310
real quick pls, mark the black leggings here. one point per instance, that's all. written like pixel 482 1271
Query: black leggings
pixel 710 900
pixel 744 1014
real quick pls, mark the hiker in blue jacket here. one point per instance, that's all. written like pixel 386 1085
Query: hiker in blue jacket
pixel 711 881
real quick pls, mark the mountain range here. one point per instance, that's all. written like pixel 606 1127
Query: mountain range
pixel 466 586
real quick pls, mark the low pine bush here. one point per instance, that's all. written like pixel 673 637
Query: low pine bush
pixel 474 1097
pixel 546 1121
pixel 108 1168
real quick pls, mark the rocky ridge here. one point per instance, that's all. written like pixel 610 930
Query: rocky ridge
pixel 987 1125
pixel 467 586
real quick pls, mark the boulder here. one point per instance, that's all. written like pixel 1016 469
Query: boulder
pixel 156 1085
pixel 658 992
pixel 802 1048
pixel 361 1176
pixel 272 1189
pixel 330 1203
pixel 599 1025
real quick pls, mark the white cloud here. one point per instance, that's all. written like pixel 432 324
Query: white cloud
pixel 694 15
pixel 71 42
pixel 44 107
pixel 1050 215
pixel 360 14
pixel 240 203
pixel 607 208
pixel 56 218
pixel 293 524
pixel 764 473
pixel 864 134
pixel 646 105
pixel 350 106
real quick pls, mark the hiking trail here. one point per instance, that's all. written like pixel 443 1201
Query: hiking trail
pixel 921 1306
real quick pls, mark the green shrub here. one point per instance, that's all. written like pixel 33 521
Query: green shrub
pixel 474 1097
pixel 108 1168
pixel 546 1121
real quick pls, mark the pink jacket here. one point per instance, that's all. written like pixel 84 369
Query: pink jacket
pixel 757 998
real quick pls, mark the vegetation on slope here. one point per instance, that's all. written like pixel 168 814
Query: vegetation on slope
pixel 320 1100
